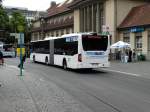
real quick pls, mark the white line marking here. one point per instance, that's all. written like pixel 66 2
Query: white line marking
pixel 132 74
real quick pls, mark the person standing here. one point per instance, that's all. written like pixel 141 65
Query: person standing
pixel 134 55
pixel 130 56
pixel 22 61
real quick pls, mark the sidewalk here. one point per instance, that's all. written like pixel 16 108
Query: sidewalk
pixel 139 68
pixel 32 93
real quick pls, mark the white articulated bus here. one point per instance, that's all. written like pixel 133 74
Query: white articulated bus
pixel 75 51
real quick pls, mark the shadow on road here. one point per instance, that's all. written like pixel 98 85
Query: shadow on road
pixel 78 71
pixel 87 71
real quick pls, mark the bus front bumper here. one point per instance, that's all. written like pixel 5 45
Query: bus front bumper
pixel 93 65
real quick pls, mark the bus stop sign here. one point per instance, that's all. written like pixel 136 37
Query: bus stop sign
pixel 21 39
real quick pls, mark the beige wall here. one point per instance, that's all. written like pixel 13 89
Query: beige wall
pixel 110 17
pixel 145 42
pixel 116 11
pixel 77 20
pixel 132 40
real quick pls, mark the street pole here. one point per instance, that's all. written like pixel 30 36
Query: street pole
pixel 21 42
pixel 21 46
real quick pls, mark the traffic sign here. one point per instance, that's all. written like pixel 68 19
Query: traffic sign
pixel 21 39
pixel 16 35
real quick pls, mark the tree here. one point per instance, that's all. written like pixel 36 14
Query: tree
pixel 4 24
pixel 4 19
pixel 17 22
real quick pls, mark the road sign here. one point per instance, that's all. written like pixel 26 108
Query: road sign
pixel 21 39
pixel 16 35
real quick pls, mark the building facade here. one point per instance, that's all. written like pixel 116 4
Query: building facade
pixel 84 16
pixel 93 15
pixel 59 21
pixel 135 29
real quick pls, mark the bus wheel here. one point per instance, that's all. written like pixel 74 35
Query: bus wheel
pixel 64 64
pixel 34 59
pixel 46 60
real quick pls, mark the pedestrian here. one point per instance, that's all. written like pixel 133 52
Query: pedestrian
pixel 130 56
pixel 122 56
pixel 22 61
pixel 1 58
pixel 134 55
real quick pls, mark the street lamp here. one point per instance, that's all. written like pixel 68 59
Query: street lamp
pixel 42 25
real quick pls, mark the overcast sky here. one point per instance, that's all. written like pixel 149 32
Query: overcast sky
pixel 30 4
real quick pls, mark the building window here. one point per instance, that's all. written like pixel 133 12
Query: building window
pixel 52 34
pixel 62 32
pixel 67 31
pixel 57 33
pixel 126 37
pixel 138 40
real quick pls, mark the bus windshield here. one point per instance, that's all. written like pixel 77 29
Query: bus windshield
pixel 94 43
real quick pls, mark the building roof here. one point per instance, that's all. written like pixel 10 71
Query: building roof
pixel 59 8
pixel 138 16
pixel 78 3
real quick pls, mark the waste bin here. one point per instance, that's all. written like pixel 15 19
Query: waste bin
pixel 141 57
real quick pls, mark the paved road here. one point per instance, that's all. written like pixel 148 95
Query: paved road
pixel 100 91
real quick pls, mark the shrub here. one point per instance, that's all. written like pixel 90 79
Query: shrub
pixel 141 57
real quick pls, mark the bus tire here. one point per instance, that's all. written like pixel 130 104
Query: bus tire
pixel 46 61
pixel 34 58
pixel 64 64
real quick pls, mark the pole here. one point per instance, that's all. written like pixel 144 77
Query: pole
pixel 21 63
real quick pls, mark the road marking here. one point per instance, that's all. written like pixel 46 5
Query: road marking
pixel 132 74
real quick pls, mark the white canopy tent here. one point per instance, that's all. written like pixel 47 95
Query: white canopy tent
pixel 119 50
pixel 120 44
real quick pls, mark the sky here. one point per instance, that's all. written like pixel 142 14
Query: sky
pixel 39 5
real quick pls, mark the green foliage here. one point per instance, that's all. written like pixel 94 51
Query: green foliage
pixel 17 22
pixel 4 19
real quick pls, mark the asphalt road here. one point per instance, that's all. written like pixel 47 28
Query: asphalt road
pixel 99 90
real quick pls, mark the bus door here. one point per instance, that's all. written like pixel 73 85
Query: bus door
pixel 51 56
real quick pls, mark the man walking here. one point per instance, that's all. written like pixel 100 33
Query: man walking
pixel 22 61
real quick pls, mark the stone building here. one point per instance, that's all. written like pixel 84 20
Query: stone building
pixel 84 16
pixel 135 29
pixel 59 21
pixel 92 15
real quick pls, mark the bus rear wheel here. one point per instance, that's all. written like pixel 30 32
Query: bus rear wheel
pixel 64 64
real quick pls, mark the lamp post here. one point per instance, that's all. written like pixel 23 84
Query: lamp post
pixel 42 25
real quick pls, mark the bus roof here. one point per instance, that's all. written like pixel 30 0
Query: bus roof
pixel 52 38
pixel 66 35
